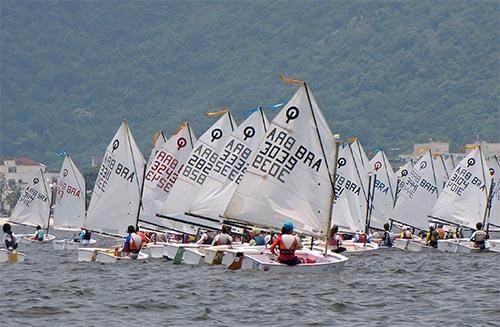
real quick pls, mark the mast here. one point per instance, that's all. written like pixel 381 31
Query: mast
pixel 434 173
pixel 330 207
pixel 140 196
pixel 49 199
pixel 488 193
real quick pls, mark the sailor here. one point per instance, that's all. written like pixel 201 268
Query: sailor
pixel 479 237
pixel 224 237
pixel 39 234
pixel 145 239
pixel 132 244
pixel 206 237
pixel 432 236
pixel 457 233
pixel 335 241
pixel 441 231
pixel 85 236
pixel 287 244
pixel 259 237
pixel 406 233
pixel 387 236
pixel 9 239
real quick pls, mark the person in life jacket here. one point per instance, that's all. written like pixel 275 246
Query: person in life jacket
pixel 206 237
pixel 406 233
pixel 224 237
pixel 259 238
pixel 132 244
pixel 441 232
pixel 335 241
pixel 9 239
pixel 287 244
pixel 39 234
pixel 387 236
pixel 145 239
pixel 479 237
pixel 84 236
pixel 361 237
pixel 457 233
pixel 432 236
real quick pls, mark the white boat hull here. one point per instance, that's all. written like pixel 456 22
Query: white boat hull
pixel 412 245
pixel 265 262
pixel 494 246
pixel 11 256
pixel 450 245
pixel 470 247
pixel 46 238
pixel 108 257
pixel 350 247
pixel 70 244
pixel 194 256
pixel 154 251
pixel 88 254
pixel 175 250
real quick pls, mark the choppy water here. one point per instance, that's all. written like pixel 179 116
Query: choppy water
pixel 382 288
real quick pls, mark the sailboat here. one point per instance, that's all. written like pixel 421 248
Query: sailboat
pixel 417 196
pixel 382 193
pixel 494 202
pixel 401 176
pixel 33 207
pixel 116 198
pixel 69 210
pixel 164 166
pixel 290 179
pixel 464 200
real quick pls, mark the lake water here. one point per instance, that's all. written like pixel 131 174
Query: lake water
pixel 382 288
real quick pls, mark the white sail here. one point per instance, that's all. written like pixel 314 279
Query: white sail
pixel 418 194
pixel 440 171
pixel 463 201
pixel 164 166
pixel 238 152
pixel 363 164
pixel 494 212
pixel 350 202
pixel 290 178
pixel 401 176
pixel 33 206
pixel 194 174
pixel 382 191
pixel 115 200
pixel 69 210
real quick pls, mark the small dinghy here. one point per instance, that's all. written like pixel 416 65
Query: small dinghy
pixel 412 245
pixel 175 251
pixel 109 256
pixel 68 244
pixel 154 250
pixel 450 245
pixel 29 238
pixel 471 247
pixel 314 262
pixel 351 247
pixel 88 254
pixel 11 256
pixel 494 246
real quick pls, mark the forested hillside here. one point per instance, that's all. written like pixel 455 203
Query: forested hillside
pixel 392 73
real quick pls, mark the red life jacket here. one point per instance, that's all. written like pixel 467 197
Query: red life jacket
pixel 287 244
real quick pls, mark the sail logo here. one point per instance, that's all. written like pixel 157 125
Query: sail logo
pixel 164 170
pixel 281 153
pixel 233 161
pixel 110 165
pixel 461 179
pixel 200 163
pixel 29 195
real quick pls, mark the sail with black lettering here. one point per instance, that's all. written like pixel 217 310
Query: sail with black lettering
pixel 363 164
pixel 33 206
pixel 193 176
pixel 163 169
pixel 464 199
pixel 382 191
pixel 117 192
pixel 231 164
pixel 69 210
pixel 290 178
pixel 494 210
pixel 401 176
pixel 418 194
pixel 351 198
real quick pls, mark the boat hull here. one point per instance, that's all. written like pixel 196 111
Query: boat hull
pixel 412 245
pixel 194 256
pixel 154 251
pixel 88 254
pixel 321 264
pixel 70 244
pixel 494 246
pixel 470 247
pixel 11 256
pixel 28 237
pixel 450 245
pixel 108 257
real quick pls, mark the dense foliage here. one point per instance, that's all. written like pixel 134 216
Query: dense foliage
pixel 391 72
